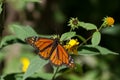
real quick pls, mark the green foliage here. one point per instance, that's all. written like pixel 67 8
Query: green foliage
pixel 114 31
pixel 67 35
pixel 105 51
pixel 35 68
pixel 2 55
pixel 35 65
pixel 90 75
pixel 6 39
pixel 22 32
pixel 87 26
pixel 94 50
pixel 81 38
pixel 93 61
pixel 0 7
pixel 20 4
pixel 73 77
pixel 32 0
pixel 86 50
pixel 96 37
pixel 1 78
pixel 10 68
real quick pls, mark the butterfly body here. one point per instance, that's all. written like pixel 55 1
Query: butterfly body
pixel 50 49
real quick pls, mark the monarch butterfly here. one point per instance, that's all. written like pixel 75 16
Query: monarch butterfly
pixel 51 49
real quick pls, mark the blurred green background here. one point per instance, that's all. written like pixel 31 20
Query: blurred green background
pixel 51 17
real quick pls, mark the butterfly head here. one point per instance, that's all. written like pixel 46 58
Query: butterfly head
pixel 31 40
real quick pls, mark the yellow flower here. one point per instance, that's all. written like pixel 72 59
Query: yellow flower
pixel 72 46
pixel 73 23
pixel 25 63
pixel 73 42
pixel 108 21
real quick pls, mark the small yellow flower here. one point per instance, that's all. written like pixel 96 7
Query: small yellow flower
pixel 108 21
pixel 25 63
pixel 73 23
pixel 72 46
pixel 73 42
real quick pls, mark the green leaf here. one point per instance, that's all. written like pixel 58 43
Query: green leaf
pixel 46 36
pixel 87 50
pixel 112 31
pixel 90 75
pixel 0 8
pixel 87 26
pixel 67 36
pixel 2 77
pixel 13 66
pixel 96 37
pixel 29 31
pixel 81 38
pixel 45 76
pixel 73 77
pixel 22 32
pixel 18 76
pixel 5 39
pixel 105 51
pixel 35 65
pixel 93 50
pixel 2 55
pixel 33 0
pixel 78 67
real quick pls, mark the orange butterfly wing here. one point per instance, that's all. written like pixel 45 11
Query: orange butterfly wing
pixel 43 45
pixel 50 49
pixel 59 56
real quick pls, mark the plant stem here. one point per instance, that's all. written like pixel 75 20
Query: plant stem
pixel 86 40
pixel 101 27
pixel 70 29
pixel 91 35
pixel 55 73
